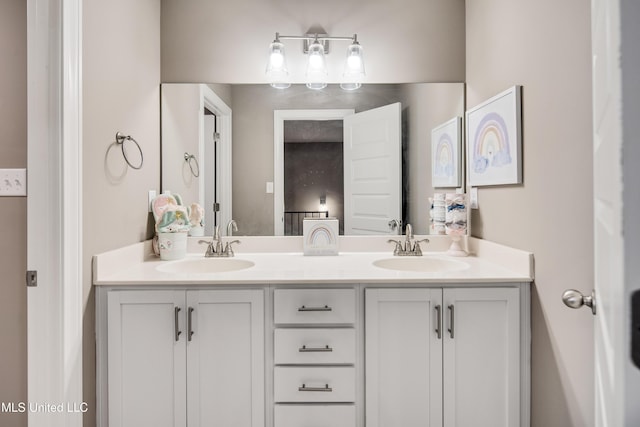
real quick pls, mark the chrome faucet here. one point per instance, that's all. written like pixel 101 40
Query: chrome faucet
pixel 411 247
pixel 215 247
pixel 231 227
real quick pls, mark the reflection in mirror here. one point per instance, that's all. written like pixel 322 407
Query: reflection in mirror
pixel 237 165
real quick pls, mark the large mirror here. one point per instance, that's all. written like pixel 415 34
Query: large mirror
pixel 266 157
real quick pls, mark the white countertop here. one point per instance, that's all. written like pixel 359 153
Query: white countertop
pixel 284 264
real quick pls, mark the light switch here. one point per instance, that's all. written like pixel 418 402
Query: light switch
pixel 152 195
pixel 269 187
pixel 13 182
pixel 473 198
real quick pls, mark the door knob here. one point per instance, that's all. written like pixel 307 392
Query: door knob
pixel 575 299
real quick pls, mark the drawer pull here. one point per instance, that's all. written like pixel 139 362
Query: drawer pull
pixel 176 326
pixel 325 308
pixel 305 349
pixel 305 388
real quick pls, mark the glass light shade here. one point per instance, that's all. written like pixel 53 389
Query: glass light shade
pixel 316 67
pixel 277 71
pixel 350 86
pixel 353 67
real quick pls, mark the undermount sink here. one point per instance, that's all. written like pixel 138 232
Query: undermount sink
pixel 205 265
pixel 421 264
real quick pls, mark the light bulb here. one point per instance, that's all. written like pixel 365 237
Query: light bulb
pixel 276 59
pixel 277 72
pixel 316 67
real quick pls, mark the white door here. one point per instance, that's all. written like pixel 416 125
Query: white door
pixel 373 170
pixel 403 339
pixel 616 207
pixel 481 357
pixel 146 359
pixel 225 358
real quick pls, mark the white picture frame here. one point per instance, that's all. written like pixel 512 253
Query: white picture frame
pixel 446 149
pixel 494 140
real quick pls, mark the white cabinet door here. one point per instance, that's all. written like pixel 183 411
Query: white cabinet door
pixel 225 352
pixel 403 358
pixel 481 357
pixel 146 359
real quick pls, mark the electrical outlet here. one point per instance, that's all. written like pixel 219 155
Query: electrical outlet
pixel 13 182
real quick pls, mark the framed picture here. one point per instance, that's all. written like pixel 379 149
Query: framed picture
pixel 446 149
pixel 494 140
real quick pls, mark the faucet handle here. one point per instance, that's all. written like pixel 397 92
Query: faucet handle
pixel 228 250
pixel 398 247
pixel 416 247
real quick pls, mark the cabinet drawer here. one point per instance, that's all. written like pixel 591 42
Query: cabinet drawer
pixel 315 346
pixel 314 384
pixel 315 416
pixel 314 306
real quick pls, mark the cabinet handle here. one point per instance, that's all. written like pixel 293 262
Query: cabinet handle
pixel 190 324
pixel 325 308
pixel 176 325
pixel 305 349
pixel 451 319
pixel 439 321
pixel 305 388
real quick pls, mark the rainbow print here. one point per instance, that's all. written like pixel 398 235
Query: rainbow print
pixel 491 144
pixel 320 236
pixel 444 155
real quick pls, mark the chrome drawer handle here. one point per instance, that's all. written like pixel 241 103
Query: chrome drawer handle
pixel 305 349
pixel 305 388
pixel 325 308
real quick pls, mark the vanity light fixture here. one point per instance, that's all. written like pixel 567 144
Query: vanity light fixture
pixel 277 66
pixel 316 47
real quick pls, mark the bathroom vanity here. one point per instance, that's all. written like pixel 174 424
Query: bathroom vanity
pixel 276 339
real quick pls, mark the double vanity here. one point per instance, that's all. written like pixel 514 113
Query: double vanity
pixel 273 338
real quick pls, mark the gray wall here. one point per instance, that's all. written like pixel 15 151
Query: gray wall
pixel 545 46
pixel 121 92
pixel 403 40
pixel 425 106
pixel 13 262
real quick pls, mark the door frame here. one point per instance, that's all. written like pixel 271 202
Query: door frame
pixel 54 208
pixel 224 175
pixel 279 117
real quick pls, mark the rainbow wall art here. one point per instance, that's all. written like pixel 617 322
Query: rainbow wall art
pixel 494 140
pixel 445 154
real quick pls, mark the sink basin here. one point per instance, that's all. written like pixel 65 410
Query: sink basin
pixel 421 264
pixel 205 265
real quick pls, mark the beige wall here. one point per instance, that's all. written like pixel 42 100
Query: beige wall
pixel 181 122
pixel 404 40
pixel 121 92
pixel 544 45
pixel 13 261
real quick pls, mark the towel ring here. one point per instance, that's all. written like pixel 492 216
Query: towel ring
pixel 191 160
pixel 120 139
